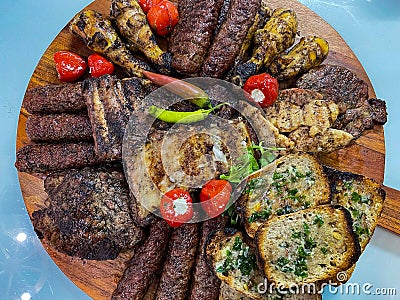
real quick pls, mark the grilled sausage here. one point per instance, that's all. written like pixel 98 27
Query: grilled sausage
pixel 51 157
pixel 54 99
pixel 175 279
pixel 145 264
pixel 192 35
pixel 205 285
pixel 228 41
pixel 58 128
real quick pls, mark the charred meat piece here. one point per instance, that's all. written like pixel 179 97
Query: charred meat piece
pixel 89 214
pixel 228 41
pixel 182 248
pixel 192 35
pixel 145 264
pixel 58 128
pixel 277 35
pixel 39 158
pixel 342 86
pixel 132 24
pixel 308 53
pixel 97 33
pixel 54 99
pixel 110 104
pixel 205 285
pixel 336 83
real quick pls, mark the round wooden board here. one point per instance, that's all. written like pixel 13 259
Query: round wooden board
pixel 99 278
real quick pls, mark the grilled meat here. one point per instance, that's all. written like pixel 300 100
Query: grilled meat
pixel 110 103
pixel 182 249
pixel 146 263
pixel 184 156
pixel 342 86
pixel 39 158
pixel 277 35
pixel 132 24
pixel 97 33
pixel 205 285
pixel 228 41
pixel 338 84
pixel 308 53
pixel 54 99
pixel 192 35
pixel 308 119
pixel 89 214
pixel 58 128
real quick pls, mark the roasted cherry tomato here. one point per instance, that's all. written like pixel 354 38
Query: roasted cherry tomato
pixel 214 196
pixel 70 66
pixel 98 65
pixel 176 207
pixel 163 17
pixel 263 89
pixel 147 4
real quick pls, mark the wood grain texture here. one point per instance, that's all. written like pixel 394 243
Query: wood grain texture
pixel 365 156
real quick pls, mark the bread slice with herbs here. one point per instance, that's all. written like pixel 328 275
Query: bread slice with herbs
pixel 292 182
pixel 308 246
pixel 231 256
pixel 362 196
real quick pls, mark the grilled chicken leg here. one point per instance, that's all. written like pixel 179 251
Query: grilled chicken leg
pixel 98 34
pixel 277 35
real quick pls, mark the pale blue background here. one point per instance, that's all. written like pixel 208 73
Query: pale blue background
pixel 370 27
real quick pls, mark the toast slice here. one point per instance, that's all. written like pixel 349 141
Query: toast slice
pixel 291 183
pixel 231 256
pixel 362 196
pixel 307 246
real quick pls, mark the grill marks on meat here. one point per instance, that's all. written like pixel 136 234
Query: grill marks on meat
pixel 54 99
pixel 342 86
pixel 192 35
pixel 182 249
pixel 110 104
pixel 205 285
pixel 39 158
pixel 228 41
pixel 146 263
pixel 58 128
pixel 89 214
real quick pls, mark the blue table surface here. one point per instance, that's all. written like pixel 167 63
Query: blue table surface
pixel 370 27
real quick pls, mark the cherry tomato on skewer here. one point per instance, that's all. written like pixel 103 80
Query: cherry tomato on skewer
pixel 176 207
pixel 214 196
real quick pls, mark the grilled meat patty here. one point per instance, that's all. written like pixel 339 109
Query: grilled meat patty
pixel 145 264
pixel 38 158
pixel 205 285
pixel 228 41
pixel 192 35
pixel 51 99
pixel 182 249
pixel 342 86
pixel 88 215
pixel 58 128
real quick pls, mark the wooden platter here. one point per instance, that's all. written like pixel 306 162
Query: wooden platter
pixel 366 156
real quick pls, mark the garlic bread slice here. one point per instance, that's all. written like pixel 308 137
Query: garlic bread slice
pixel 307 246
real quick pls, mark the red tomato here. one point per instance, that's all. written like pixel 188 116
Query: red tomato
pixel 147 4
pixel 99 66
pixel 176 207
pixel 163 17
pixel 263 89
pixel 70 66
pixel 214 196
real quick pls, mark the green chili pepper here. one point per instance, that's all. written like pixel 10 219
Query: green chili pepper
pixel 184 117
